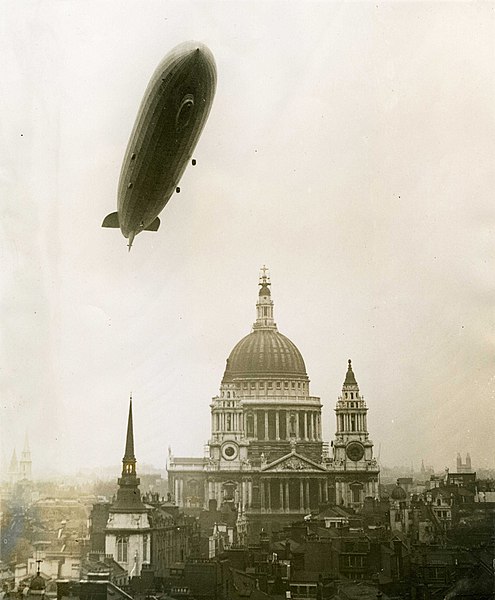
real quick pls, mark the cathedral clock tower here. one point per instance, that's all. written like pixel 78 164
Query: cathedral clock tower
pixel 353 450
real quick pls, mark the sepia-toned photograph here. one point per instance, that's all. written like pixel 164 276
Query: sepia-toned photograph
pixel 247 296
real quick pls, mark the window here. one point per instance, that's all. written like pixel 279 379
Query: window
pixel 292 425
pixel 250 425
pixel 122 543
pixel 145 548
pixel 356 492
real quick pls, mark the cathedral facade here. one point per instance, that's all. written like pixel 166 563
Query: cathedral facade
pixel 266 457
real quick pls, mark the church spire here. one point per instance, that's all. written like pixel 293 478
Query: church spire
pixel 264 306
pixel 128 494
pixel 25 463
pixel 129 457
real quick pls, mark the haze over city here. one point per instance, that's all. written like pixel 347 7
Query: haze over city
pixel 350 148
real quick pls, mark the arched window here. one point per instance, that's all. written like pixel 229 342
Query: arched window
pixel 122 544
pixel 356 492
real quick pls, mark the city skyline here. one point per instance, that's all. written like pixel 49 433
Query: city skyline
pixel 356 164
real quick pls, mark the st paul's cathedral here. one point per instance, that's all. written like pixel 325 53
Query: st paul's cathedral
pixel 266 457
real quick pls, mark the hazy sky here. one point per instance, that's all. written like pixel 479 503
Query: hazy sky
pixel 350 148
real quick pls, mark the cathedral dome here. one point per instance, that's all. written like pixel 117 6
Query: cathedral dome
pixel 265 353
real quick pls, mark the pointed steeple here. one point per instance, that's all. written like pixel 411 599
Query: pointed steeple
pixel 26 451
pixel 128 494
pixel 129 440
pixel 25 461
pixel 264 306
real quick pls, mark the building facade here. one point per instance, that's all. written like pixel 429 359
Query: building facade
pixel 266 455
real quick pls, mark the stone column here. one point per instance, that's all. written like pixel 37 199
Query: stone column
pixel 262 494
pixel 282 505
pixel 255 424
pixel 325 491
pixel 301 494
pixel 269 494
pixel 277 425
pixel 287 498
pixel 266 424
pixel 308 504
pixel 306 425
pixel 297 425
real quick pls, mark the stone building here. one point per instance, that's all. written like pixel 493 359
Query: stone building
pixel 266 455
pixel 128 530
pixel 140 530
pixel 21 470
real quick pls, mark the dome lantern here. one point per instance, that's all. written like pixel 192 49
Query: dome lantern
pixel 264 306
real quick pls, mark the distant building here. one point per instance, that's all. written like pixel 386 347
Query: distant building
pixel 266 456
pixel 463 467
pixel 21 470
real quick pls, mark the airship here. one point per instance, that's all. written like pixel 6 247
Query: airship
pixel 170 120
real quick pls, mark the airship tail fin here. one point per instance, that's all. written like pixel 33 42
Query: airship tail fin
pixel 152 226
pixel 111 220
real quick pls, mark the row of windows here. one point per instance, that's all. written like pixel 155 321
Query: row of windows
pixel 268 385
pixel 351 395
pixel 262 385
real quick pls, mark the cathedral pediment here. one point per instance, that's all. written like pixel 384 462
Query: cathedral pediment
pixel 293 462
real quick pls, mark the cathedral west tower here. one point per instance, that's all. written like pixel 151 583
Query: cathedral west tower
pixel 353 450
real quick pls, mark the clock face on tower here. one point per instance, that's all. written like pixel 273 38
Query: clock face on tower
pixel 355 451
pixel 229 451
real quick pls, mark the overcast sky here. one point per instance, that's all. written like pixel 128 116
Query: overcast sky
pixel 350 148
